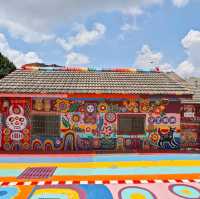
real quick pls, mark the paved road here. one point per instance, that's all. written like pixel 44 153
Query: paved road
pixel 123 176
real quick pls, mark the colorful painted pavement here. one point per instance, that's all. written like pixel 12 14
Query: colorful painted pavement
pixel 121 176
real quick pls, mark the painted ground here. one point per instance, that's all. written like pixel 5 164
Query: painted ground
pixel 123 176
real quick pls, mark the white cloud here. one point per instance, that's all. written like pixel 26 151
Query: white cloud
pixel 146 58
pixel 17 57
pixel 83 37
pixel 185 69
pixel 190 66
pixel 19 31
pixel 43 17
pixel 129 27
pixel 77 59
pixel 180 3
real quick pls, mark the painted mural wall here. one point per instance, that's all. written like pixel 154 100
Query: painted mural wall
pixel 190 125
pixel 89 124
pixel 15 128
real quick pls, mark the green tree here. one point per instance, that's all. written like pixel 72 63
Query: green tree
pixel 6 66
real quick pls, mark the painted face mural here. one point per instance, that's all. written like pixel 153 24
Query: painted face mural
pixel 16 120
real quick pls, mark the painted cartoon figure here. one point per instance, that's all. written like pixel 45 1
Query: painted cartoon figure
pixel 16 122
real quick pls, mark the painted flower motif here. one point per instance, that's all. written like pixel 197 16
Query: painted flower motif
pixel 81 108
pixel 107 130
pixel 26 131
pixel 88 129
pixel 62 105
pixel 154 137
pixel 132 106
pixel 144 106
pixel 162 108
pixel 76 118
pixel 157 111
pixel 96 143
pixel 110 117
pixel 103 107
pixel 26 146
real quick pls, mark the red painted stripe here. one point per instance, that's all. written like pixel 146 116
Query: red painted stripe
pixel 5 183
pixel 136 181
pixel 20 183
pixel 48 182
pixel 91 182
pixel 165 181
pixel 121 181
pixel 106 182
pixel 191 180
pixel 34 183
pixel 151 181
pixel 76 181
pixel 177 180
pixel 61 182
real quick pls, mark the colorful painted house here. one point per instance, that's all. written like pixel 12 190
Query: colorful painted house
pixel 62 109
pixel 190 117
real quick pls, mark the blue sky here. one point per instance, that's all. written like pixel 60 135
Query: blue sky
pixel 106 33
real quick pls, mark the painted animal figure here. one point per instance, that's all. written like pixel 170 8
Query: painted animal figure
pixel 167 139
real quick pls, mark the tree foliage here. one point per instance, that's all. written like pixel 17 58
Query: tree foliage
pixel 6 66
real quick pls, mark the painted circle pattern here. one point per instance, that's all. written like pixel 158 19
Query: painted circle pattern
pixel 102 107
pixel 8 192
pixel 185 191
pixel 134 192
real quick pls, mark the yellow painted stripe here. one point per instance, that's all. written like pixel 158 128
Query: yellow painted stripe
pixel 171 163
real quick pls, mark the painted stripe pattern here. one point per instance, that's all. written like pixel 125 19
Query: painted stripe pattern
pixel 128 181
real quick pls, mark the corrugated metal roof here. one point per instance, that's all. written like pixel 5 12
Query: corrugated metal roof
pixel 61 81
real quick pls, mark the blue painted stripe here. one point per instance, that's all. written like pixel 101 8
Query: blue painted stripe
pixel 100 158
pixel 111 171
pixel 129 171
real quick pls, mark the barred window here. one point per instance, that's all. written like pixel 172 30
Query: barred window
pixel 131 124
pixel 46 125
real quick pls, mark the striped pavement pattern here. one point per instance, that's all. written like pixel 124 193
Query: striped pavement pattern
pixel 62 182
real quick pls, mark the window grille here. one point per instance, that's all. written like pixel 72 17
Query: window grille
pixel 131 124
pixel 46 125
